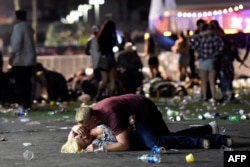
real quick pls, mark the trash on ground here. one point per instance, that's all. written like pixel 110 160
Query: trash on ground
pixel 28 155
pixel 27 144
pixel 190 158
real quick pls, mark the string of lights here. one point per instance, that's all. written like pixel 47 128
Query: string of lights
pixel 210 13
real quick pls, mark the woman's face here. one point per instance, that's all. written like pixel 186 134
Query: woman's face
pixel 84 140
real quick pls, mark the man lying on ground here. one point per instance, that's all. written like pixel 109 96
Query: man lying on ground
pixel 150 128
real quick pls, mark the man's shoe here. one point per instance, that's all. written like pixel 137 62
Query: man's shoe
pixel 214 126
pixel 229 142
pixel 206 144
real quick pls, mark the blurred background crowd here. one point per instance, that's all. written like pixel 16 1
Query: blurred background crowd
pixel 151 42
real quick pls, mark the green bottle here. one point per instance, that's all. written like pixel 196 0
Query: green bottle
pixel 234 118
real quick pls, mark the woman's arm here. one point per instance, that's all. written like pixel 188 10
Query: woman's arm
pixel 73 133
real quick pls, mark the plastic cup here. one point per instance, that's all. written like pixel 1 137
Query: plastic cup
pixel 190 158
pixel 28 155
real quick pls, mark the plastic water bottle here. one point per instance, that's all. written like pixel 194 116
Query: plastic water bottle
pixel 21 112
pixel 150 158
pixel 225 148
pixel 158 150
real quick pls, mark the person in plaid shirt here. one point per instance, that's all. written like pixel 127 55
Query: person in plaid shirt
pixel 208 46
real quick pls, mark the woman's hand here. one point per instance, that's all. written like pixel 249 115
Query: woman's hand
pixel 91 148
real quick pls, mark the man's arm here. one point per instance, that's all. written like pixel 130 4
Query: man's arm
pixel 122 143
pixel 87 49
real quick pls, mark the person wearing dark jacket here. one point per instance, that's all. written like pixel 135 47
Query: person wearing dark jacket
pixel 53 84
pixel 130 67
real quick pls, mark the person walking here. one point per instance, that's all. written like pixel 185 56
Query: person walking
pixel 22 59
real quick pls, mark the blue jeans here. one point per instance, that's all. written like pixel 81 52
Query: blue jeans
pixel 151 130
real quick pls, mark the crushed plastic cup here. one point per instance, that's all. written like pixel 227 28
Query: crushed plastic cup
pixel 222 130
pixel 208 115
pixel 190 158
pixel 240 112
pixel 225 148
pixel 27 144
pixel 200 116
pixel 179 117
pixel 28 155
pixel 24 119
pixel 243 117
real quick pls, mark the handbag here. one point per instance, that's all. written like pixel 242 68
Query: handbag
pixel 103 63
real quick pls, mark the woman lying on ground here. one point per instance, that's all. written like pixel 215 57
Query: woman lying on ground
pixel 91 141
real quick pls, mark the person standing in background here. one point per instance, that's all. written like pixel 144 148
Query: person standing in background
pixel 106 41
pixel 1 62
pixel 209 47
pixel 181 47
pixel 92 49
pixel 247 49
pixel 22 59
pixel 152 51
pixel 130 66
pixel 192 66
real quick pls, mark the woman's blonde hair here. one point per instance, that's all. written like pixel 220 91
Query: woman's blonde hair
pixel 83 113
pixel 71 146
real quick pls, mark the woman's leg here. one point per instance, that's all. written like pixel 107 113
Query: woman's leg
pixel 152 73
pixel 185 69
pixel 180 73
pixel 102 84
pixel 112 81
pixel 211 79
pixel 204 79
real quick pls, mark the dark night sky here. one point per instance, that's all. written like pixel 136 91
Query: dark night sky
pixel 55 9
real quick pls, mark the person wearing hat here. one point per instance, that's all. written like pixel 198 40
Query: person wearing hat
pixel 22 59
pixel 149 126
pixel 130 67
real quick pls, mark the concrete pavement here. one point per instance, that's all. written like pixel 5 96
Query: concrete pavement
pixel 47 136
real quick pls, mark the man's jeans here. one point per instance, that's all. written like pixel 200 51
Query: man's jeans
pixel 151 130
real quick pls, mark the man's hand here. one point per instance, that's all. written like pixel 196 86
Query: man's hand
pixel 11 59
pixel 80 129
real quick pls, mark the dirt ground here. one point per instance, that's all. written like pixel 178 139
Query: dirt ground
pixel 45 138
